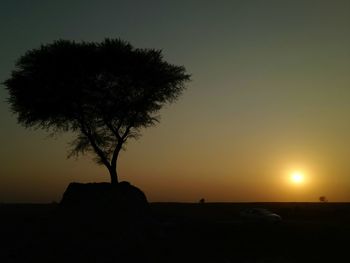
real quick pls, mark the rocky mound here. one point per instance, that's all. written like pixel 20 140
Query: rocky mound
pixel 123 199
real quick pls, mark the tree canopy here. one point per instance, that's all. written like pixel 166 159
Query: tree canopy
pixel 103 92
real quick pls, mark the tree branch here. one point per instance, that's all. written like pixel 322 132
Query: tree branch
pixel 126 133
pixel 119 146
pixel 114 130
pixel 97 149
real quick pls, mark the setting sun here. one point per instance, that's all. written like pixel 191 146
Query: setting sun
pixel 297 177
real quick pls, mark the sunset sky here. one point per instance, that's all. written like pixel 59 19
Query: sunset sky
pixel 269 96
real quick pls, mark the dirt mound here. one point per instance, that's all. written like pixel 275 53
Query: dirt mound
pixel 123 199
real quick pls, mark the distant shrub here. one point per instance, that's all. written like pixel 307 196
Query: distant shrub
pixel 323 199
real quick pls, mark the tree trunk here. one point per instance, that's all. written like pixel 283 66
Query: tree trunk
pixel 113 168
pixel 114 175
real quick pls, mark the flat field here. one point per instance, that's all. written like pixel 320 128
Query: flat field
pixel 178 232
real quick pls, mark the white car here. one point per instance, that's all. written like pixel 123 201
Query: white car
pixel 260 215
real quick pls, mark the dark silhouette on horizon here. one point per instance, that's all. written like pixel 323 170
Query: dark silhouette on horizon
pixel 103 92
pixel 323 199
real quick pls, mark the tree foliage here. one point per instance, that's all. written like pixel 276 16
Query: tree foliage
pixel 103 92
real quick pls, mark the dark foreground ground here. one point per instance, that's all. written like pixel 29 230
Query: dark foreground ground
pixel 213 232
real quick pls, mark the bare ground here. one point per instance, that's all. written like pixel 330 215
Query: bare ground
pixel 211 232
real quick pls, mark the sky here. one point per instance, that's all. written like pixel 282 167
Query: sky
pixel 270 94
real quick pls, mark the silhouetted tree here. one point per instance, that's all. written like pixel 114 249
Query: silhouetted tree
pixel 103 92
pixel 323 199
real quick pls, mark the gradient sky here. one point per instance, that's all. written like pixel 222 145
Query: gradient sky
pixel 270 93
